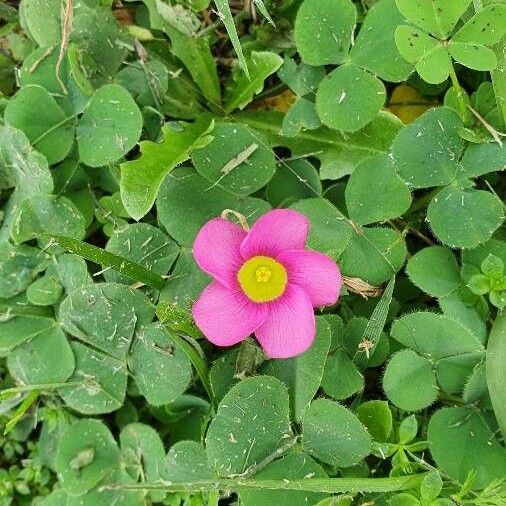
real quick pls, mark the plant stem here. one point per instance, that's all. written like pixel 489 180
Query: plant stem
pixel 10 392
pixel 329 485
pixel 464 113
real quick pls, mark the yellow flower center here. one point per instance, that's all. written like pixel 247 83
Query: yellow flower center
pixel 262 279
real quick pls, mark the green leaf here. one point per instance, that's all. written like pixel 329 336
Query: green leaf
pixel 21 165
pixel 437 17
pixel 141 178
pixel 250 425
pixel 453 372
pixel 110 126
pixel 435 271
pixel 46 358
pixel 86 454
pixel 408 429
pixel 330 231
pixel 375 49
pixel 182 219
pixel 493 266
pixel 322 38
pixel 373 255
pixel 464 218
pixel 106 315
pixel 349 98
pixel 473 258
pixel 431 486
pixel 302 79
pixel 498 298
pixel 44 291
pixel 244 86
pixel 19 329
pixel 390 198
pixel 55 423
pixel 187 461
pixel 427 151
pixel 476 384
pixel 460 443
pixel 338 153
pixel 68 87
pixel 302 115
pixel 49 128
pixel 302 374
pixel 473 56
pixel 19 268
pixel 186 281
pixel 47 214
pixel 481 159
pixel 409 381
pixel 102 382
pixel 334 435
pixel 42 20
pixel 238 159
pixel 377 418
pixel 145 245
pixel 430 57
pixel 93 29
pixel 486 28
pixel 194 51
pixel 434 335
pixel 160 369
pixel 144 455
pixel 188 346
pixel 341 378
pixel 293 466
pixel 456 308
pixel 293 180
pixel 496 355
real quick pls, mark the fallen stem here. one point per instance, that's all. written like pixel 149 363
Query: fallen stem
pixel 329 485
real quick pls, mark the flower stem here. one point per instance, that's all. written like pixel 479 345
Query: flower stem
pixel 464 113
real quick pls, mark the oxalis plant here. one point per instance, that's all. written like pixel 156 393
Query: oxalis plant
pixel 252 252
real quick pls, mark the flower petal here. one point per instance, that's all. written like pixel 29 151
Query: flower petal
pixel 274 232
pixel 315 272
pixel 227 317
pixel 290 325
pixel 217 250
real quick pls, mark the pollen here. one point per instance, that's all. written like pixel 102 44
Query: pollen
pixel 262 279
pixel 263 274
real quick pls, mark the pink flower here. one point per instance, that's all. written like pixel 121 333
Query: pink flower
pixel 265 282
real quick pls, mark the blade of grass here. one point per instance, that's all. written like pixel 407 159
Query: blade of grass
pixel 106 259
pixel 228 20
pixel 329 485
pixel 263 10
pixel 30 399
pixel 375 325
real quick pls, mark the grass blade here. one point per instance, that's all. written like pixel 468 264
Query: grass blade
pixel 226 16
pixel 106 259
pixel 376 323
